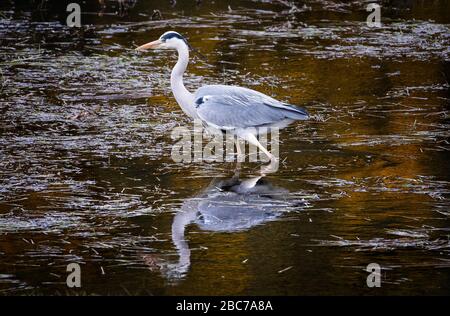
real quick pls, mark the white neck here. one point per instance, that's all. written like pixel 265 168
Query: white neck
pixel 184 98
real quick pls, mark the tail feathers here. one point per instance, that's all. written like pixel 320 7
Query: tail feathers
pixel 295 112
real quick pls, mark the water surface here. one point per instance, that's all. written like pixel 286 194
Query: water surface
pixel 86 174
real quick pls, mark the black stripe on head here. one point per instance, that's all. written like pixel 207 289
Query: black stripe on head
pixel 170 35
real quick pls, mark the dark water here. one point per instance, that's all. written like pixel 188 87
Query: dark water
pixel 86 174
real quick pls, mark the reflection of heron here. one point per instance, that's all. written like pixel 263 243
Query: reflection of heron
pixel 241 111
pixel 225 206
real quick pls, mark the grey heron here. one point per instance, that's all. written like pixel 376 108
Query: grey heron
pixel 241 111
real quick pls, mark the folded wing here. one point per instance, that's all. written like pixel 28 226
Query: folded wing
pixel 228 107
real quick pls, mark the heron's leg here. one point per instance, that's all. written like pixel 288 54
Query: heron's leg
pixel 240 157
pixel 238 148
pixel 272 167
pixel 254 141
pixel 237 170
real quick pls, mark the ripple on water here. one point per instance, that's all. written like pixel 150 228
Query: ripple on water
pixel 85 168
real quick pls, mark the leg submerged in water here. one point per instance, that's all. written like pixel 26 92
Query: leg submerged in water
pixel 254 141
pixel 274 163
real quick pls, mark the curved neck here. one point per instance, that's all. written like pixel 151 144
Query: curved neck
pixel 183 218
pixel 184 98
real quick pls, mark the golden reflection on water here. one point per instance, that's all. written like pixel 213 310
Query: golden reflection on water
pixel 87 175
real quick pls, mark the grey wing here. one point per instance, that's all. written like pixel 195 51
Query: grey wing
pixel 228 107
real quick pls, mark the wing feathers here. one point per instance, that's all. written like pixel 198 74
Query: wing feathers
pixel 228 107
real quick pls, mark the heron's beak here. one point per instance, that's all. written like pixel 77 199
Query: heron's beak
pixel 151 45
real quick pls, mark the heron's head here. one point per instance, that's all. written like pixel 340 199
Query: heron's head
pixel 169 40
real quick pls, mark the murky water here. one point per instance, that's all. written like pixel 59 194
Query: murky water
pixel 86 174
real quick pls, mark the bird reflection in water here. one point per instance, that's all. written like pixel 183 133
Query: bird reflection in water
pixel 228 205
